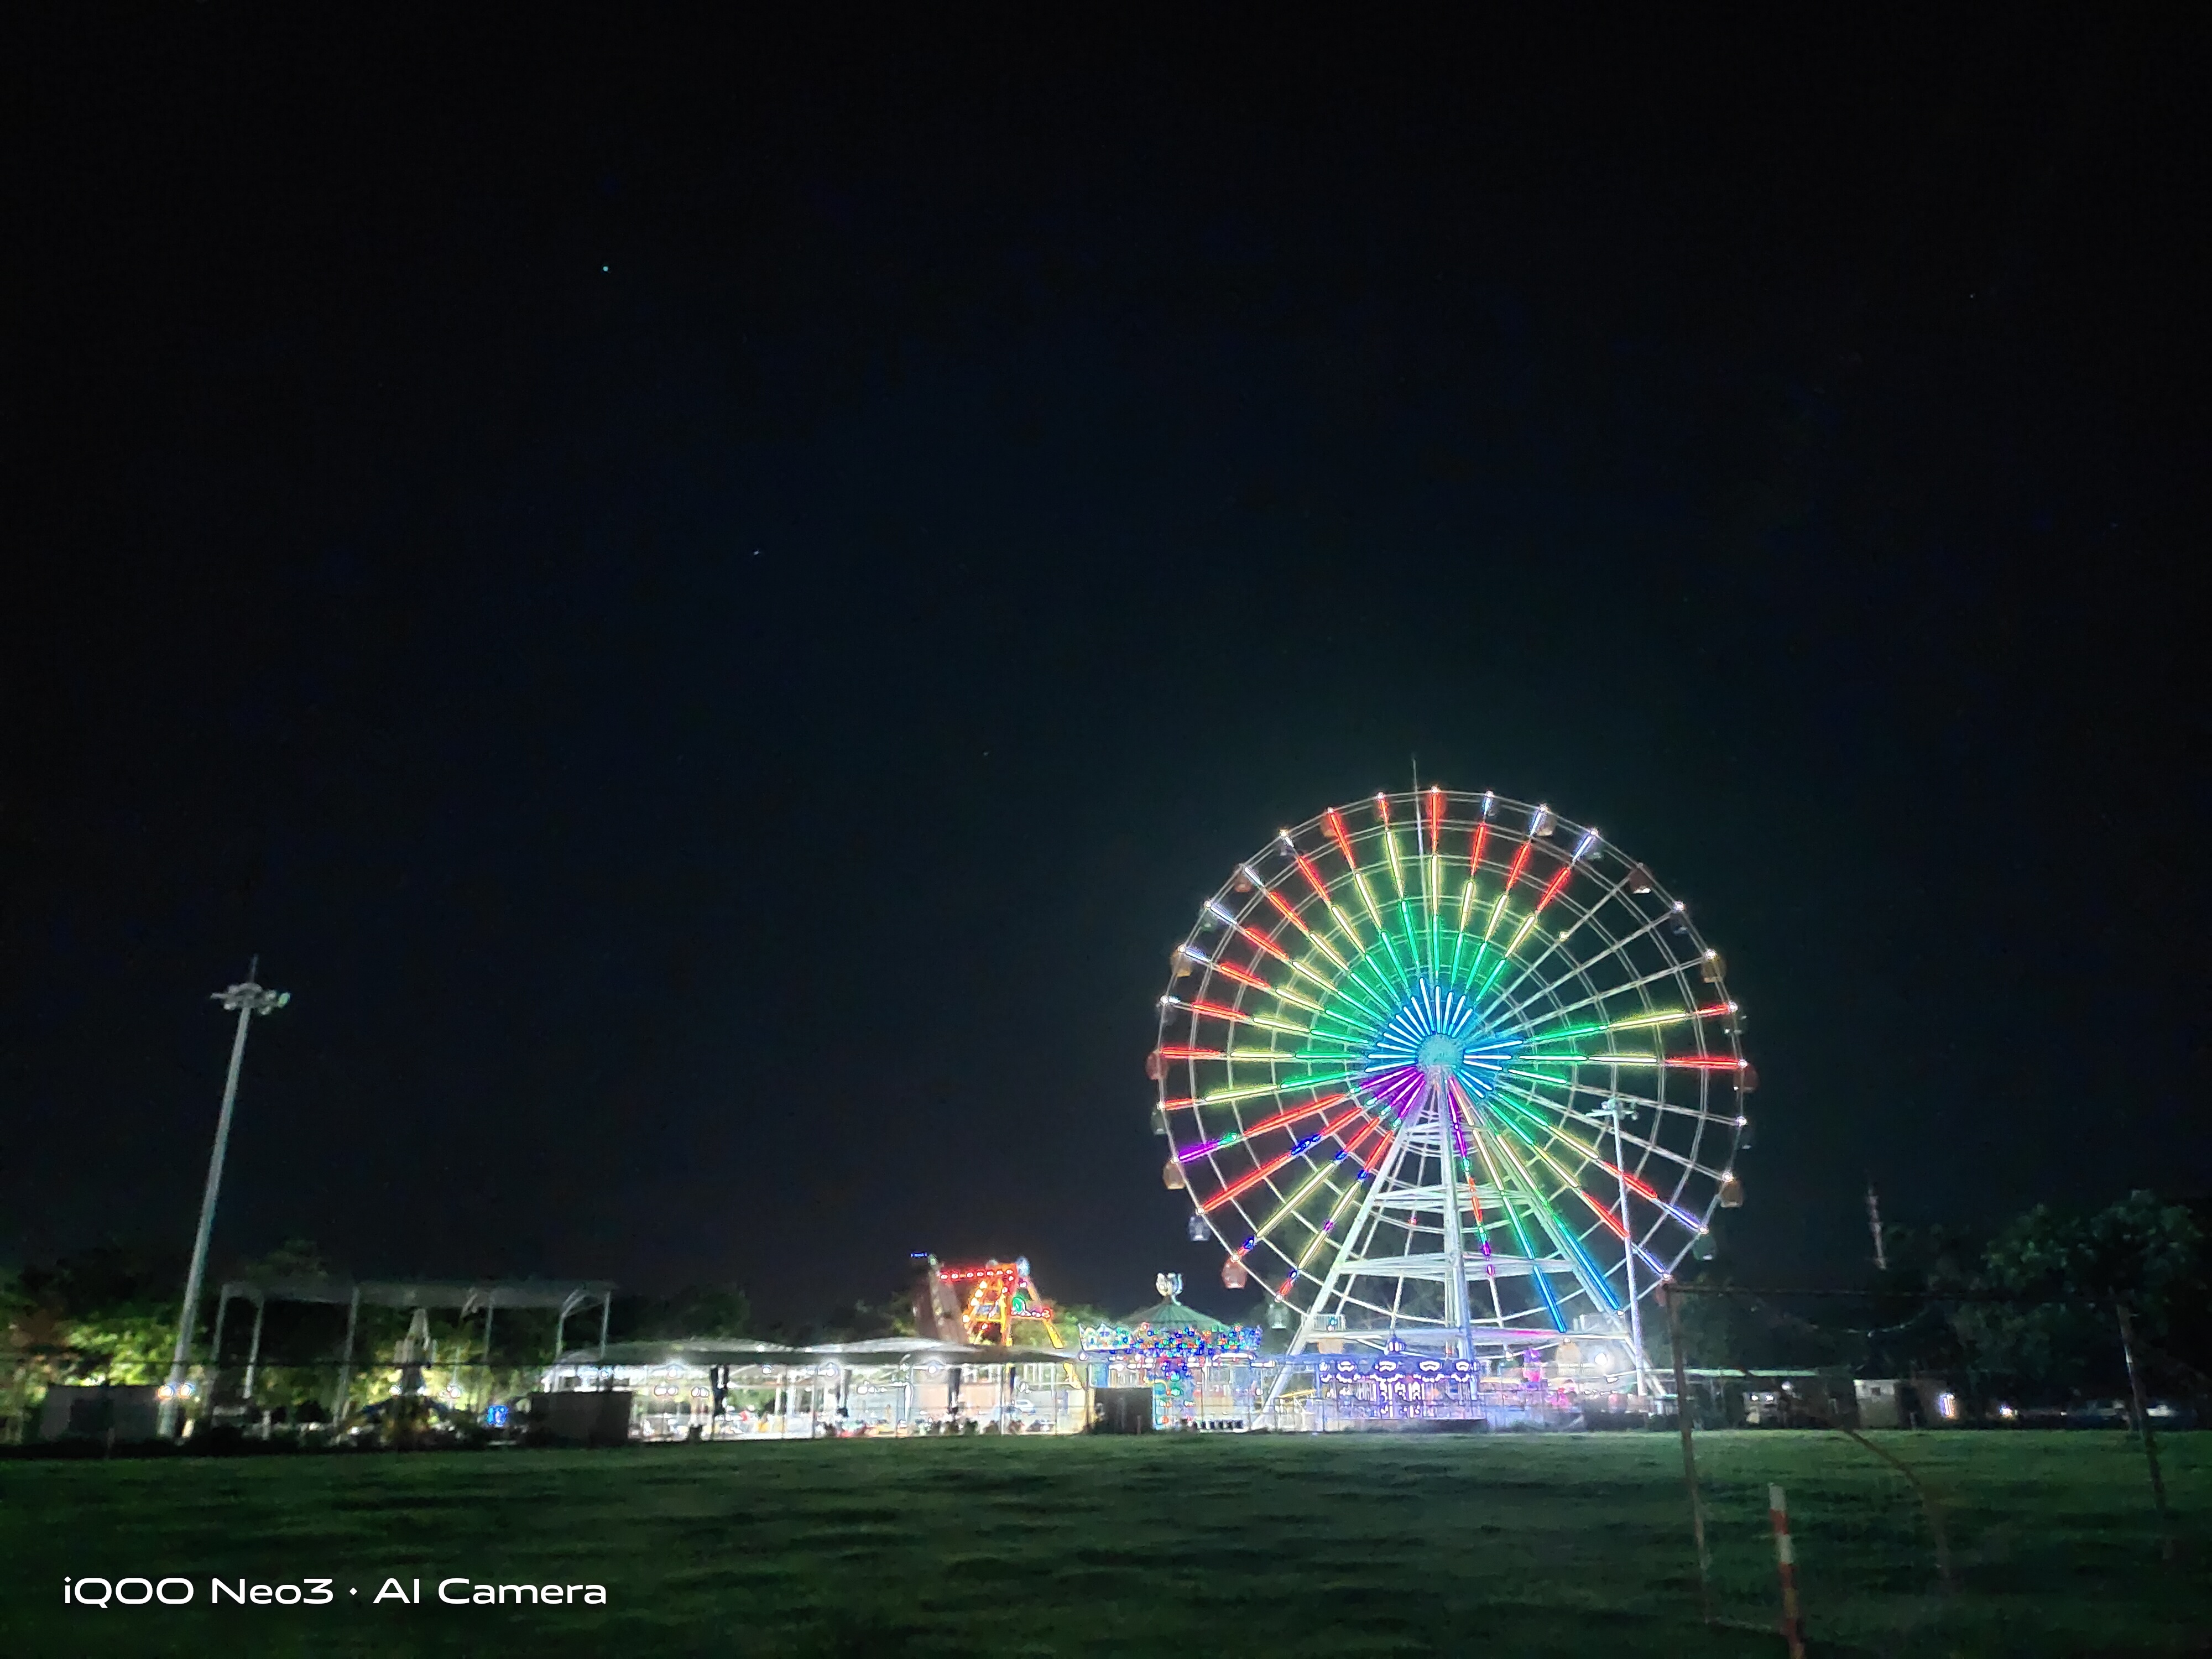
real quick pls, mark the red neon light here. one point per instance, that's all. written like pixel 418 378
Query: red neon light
pixel 1191 1053
pixel 1294 1113
pixel 1481 841
pixel 1551 891
pixel 1352 1148
pixel 1273 1164
pixel 1335 824
pixel 1603 1214
pixel 1264 942
pixel 1218 1011
pixel 1244 978
pixel 1436 817
pixel 1707 1063
pixel 1383 805
pixel 1634 1185
pixel 1520 863
pixel 1185 1103
pixel 1313 878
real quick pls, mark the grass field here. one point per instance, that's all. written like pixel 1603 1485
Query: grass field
pixel 1347 1545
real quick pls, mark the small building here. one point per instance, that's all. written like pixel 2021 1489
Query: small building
pixel 100 1411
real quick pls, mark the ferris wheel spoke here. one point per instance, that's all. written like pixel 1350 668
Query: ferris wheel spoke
pixel 1621 989
pixel 1265 1231
pixel 1586 1272
pixel 1512 1004
pixel 1289 913
pixel 1334 821
pixel 1536 1275
pixel 1655 1148
pixel 1319 884
pixel 1583 916
pixel 1591 1155
pixel 1275 1120
pixel 1298 1149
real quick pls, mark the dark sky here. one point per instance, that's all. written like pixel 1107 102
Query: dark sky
pixel 712 603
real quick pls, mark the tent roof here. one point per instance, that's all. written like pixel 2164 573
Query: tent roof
pixel 469 1295
pixel 1174 1313
pixel 740 1350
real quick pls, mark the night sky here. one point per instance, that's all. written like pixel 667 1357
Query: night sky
pixel 713 603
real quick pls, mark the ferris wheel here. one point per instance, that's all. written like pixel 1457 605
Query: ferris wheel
pixel 1447 1071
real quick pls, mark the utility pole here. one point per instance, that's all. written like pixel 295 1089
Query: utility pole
pixel 1873 1225
pixel 245 999
pixel 1614 1109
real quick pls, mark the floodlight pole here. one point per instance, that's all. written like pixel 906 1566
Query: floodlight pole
pixel 247 1000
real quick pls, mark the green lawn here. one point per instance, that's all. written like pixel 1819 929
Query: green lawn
pixel 1506 1545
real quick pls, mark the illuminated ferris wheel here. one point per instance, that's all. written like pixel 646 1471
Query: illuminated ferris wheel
pixel 1448 1070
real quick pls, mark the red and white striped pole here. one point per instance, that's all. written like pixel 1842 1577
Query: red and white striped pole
pixel 1785 1557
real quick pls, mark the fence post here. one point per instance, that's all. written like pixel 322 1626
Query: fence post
pixel 2142 1427
pixel 1786 1558
pixel 1668 1295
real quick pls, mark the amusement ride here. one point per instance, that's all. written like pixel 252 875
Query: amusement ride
pixel 1455 1078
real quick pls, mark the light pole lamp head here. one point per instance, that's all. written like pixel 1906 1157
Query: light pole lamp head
pixel 251 997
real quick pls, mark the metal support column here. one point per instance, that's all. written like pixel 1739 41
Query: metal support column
pixel 488 1305
pixel 345 1370
pixel 246 998
pixel 214 1345
pixel 253 1350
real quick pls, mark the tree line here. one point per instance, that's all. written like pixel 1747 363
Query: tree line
pixel 2027 1314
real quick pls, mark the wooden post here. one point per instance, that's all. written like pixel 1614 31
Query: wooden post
pixel 1670 1296
pixel 2142 1427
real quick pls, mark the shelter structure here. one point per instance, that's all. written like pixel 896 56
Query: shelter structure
pixel 468 1297
pixel 892 1386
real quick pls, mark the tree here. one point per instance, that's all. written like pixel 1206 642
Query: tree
pixel 295 1258
pixel 708 1312
pixel 2056 1336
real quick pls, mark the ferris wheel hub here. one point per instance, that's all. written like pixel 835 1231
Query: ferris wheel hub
pixel 1440 1052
